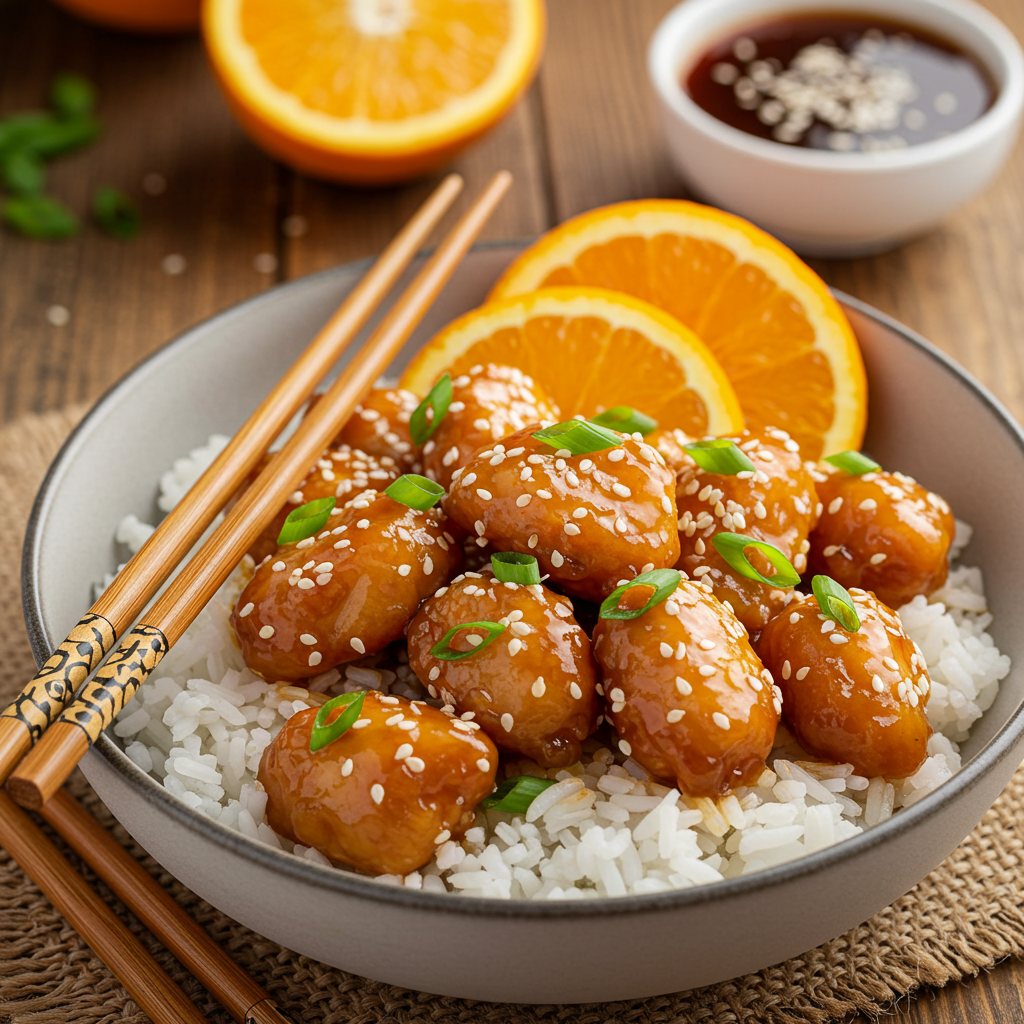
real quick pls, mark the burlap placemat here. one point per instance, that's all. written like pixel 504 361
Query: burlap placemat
pixel 963 917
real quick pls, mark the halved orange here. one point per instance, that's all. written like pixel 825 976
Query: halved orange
pixel 371 91
pixel 591 349
pixel 772 323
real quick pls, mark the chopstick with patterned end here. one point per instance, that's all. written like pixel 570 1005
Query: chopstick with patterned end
pixel 109 939
pixel 49 692
pixel 53 758
pixel 239 994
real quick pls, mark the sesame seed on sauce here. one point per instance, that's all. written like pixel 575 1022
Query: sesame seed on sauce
pixel 539 686
pixel 828 625
pixel 838 638
pixel 267 632
pixel 625 747
pixel 246 610
pixel 891 664
pixel 675 715
pixel 575 690
pixel 394 719
pixel 532 542
pixel 308 639
pixel 357 645
pixel 786 669
pixel 878 559
pixel 507 722
pixel 306 584
pixel 404 570
pixel 707 670
pixel 683 686
pixel 403 751
pixel 801 673
pixel 571 529
pixel 346 768
pixel 556 558
pixel 720 720
pixel 377 793
pixel 707 645
pixel 361 723
pixel 545 494
pixel 616 454
pixel 278 566
pixel 666 649
pixel 835 505
pixel 621 525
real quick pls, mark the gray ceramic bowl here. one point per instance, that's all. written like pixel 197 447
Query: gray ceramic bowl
pixel 928 418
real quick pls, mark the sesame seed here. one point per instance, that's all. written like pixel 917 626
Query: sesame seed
pixel 835 505
pixel 468 480
pixel 538 687
pixel 621 525
pixel 575 690
pixel 394 719
pixel 683 686
pixel 357 645
pixel 707 670
pixel 616 454
pixel 473 640
pixel 362 524
pixel 625 747
pixel 674 715
pixel 828 625
pixel 246 610
pixel 532 542
pixel 786 669
pixel 515 645
pixel 838 638
pixel 794 618
pixel 306 584
pixel 556 557
pixel 523 500
pixel 415 764
pixel 868 505
pixel 545 494
pixel 308 639
pixel 707 645
pixel 622 490
pixel 666 504
pixel 720 720
pixel 586 466
pixel 572 479
pixel 403 751
pixel 891 664
pixel 666 649
pixel 324 578
pixel 278 566
pixel 404 570
pixel 267 632
pixel 801 673
pixel 377 793
pixel 407 725
pixel 571 529
pixel 878 559
pixel 519 628
pixel 482 493
pixel 428 565
pixel 513 452
pixel 507 721
pixel 342 544
pixel 536 460
pixel 479 527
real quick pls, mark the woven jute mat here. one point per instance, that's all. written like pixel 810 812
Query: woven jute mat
pixel 964 917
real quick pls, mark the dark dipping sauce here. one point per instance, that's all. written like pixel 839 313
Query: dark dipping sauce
pixel 840 82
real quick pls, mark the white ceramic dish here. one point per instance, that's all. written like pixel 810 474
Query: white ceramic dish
pixel 927 418
pixel 835 204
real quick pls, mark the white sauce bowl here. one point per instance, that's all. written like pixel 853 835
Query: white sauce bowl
pixel 825 203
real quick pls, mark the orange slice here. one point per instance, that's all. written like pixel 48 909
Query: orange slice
pixel 371 91
pixel 591 349
pixel 778 333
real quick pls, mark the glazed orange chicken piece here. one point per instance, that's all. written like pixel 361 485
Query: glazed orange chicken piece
pixel 882 532
pixel 532 689
pixel 590 520
pixel 670 443
pixel 339 473
pixel 380 427
pixel 775 503
pixel 347 592
pixel 851 697
pixel 400 781
pixel 488 403
pixel 687 695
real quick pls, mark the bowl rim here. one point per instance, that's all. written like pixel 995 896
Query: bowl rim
pixel 347 883
pixel 663 71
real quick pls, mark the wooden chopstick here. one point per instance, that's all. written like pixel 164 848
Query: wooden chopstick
pixel 53 687
pixel 112 942
pixel 53 758
pixel 239 994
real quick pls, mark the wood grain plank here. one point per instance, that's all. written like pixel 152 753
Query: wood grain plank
pixel 348 223
pixel 162 113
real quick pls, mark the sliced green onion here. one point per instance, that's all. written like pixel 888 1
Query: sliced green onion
pixel 438 400
pixel 835 602
pixel 514 796
pixel 732 547
pixel 626 419
pixel 115 213
pixel 720 456
pixel 664 581
pixel 854 463
pixel 305 520
pixel 324 733
pixel 579 437
pixel 21 172
pixel 443 649
pixel 512 567
pixel 415 491
pixel 38 216
pixel 72 95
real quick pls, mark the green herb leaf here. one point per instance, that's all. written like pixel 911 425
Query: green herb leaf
pixel 72 95
pixel 854 463
pixel 835 602
pixel 443 649
pixel 21 172
pixel 38 216
pixel 17 129
pixel 513 567
pixel 514 796
pixel 440 397
pixel 415 491
pixel 306 520
pixel 719 456
pixel 579 437
pixel 732 547
pixel 51 137
pixel 115 213
pixel 625 419
pixel 324 732
pixel 665 582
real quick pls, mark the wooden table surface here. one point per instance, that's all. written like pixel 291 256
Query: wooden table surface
pixel 584 135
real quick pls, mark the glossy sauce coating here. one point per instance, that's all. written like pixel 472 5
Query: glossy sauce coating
pixel 349 591
pixel 856 698
pixel 881 532
pixel 402 780
pixel 688 696
pixel 339 473
pixel 534 688
pixel 380 427
pixel 775 503
pixel 590 520
pixel 488 403
pixel 670 443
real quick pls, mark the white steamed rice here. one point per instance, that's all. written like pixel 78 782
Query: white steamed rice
pixel 200 725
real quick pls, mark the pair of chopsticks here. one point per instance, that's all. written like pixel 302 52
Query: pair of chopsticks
pixel 63 728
